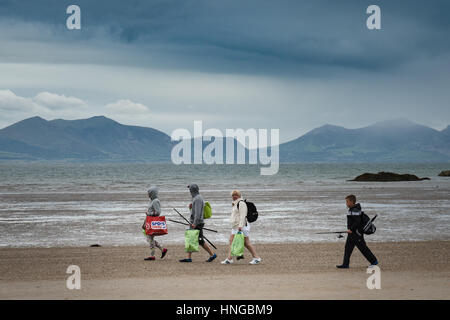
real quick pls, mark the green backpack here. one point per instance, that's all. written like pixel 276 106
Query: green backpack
pixel 207 211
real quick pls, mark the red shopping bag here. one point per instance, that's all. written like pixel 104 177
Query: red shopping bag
pixel 155 226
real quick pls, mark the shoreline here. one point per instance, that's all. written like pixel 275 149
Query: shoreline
pixel 409 270
pixel 221 244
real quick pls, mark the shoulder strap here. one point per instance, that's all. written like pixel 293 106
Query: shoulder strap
pixel 238 209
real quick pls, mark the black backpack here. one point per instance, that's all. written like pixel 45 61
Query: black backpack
pixel 367 223
pixel 252 213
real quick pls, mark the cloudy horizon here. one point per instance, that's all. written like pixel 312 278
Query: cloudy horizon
pixel 163 64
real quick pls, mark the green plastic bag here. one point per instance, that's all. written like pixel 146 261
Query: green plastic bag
pixel 191 240
pixel 207 211
pixel 237 246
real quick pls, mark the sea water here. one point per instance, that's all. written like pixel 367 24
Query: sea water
pixel 79 204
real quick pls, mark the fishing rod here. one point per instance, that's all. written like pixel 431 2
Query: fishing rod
pixel 339 233
pixel 331 232
pixel 190 224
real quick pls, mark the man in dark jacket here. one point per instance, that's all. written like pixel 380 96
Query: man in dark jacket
pixel 355 235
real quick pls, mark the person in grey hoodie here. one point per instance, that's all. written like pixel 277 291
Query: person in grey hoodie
pixel 154 209
pixel 196 220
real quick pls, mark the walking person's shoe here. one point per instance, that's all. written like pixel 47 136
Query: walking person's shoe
pixel 342 266
pixel 211 259
pixel 163 253
pixel 150 259
pixel 227 261
pixel 255 261
pixel 240 257
pixel 373 264
pixel 186 260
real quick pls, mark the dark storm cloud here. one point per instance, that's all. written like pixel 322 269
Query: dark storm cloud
pixel 296 37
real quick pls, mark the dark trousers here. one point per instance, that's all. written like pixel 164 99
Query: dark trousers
pixel 358 241
pixel 201 240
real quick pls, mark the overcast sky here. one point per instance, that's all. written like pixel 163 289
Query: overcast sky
pixel 293 65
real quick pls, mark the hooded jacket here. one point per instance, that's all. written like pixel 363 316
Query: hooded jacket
pixel 354 219
pixel 154 206
pixel 197 205
pixel 238 214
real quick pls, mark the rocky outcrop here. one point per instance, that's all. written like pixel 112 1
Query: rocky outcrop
pixel 445 173
pixel 388 176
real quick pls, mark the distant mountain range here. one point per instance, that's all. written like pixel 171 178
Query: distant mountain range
pixel 103 139
pixel 388 141
pixel 97 138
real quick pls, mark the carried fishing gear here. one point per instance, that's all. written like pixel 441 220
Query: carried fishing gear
pixel 369 227
pixel 186 224
pixel 339 233
pixel 190 224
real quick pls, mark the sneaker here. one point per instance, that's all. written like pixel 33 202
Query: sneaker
pixel 186 260
pixel 227 261
pixel 149 258
pixel 240 257
pixel 343 266
pixel 210 259
pixel 373 264
pixel 163 253
pixel 255 261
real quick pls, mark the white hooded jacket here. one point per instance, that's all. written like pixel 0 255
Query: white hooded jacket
pixel 238 216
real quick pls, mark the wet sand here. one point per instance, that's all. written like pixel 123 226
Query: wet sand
pixel 409 270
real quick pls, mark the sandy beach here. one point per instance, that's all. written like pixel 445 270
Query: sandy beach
pixel 409 270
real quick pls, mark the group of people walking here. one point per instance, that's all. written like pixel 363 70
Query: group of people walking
pixel 239 223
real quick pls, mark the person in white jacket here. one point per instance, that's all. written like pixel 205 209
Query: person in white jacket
pixel 239 224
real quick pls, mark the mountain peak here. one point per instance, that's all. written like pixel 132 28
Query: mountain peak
pixel 100 119
pixel 94 118
pixel 35 119
pixel 96 121
pixel 327 128
pixel 400 126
